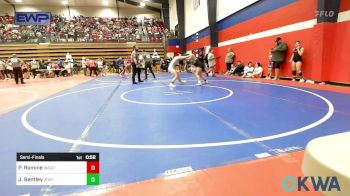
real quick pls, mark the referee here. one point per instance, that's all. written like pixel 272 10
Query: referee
pixel 135 66
pixel 16 63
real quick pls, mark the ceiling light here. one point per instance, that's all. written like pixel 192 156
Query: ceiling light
pixel 65 2
pixel 142 4
pixel 105 2
pixel 18 1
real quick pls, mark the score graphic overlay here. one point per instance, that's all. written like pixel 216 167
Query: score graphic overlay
pixel 57 169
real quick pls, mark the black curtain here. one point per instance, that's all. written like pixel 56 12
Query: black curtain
pixel 180 8
pixel 212 4
pixel 328 10
pixel 165 10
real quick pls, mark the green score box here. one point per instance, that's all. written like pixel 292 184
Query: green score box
pixel 93 179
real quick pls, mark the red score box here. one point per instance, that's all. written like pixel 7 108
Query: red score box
pixel 93 167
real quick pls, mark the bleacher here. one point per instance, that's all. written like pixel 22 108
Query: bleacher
pixel 53 51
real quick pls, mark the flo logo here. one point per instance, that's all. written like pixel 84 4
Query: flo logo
pixel 318 183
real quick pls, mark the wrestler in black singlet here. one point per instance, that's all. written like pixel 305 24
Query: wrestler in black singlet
pixel 296 56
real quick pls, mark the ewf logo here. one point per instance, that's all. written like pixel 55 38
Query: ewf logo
pixel 318 183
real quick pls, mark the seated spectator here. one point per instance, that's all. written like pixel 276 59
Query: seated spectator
pixel 237 69
pixel 248 70
pixel 257 73
pixel 2 70
pixel 92 66
pixel 56 70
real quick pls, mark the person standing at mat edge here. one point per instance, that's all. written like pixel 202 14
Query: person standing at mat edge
pixel 148 64
pixel 278 55
pixel 229 59
pixel 136 68
pixel 297 61
pixel 211 63
pixel 16 63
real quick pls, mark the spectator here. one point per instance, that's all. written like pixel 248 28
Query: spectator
pixel 257 73
pixel 269 67
pixel 120 66
pixel 56 70
pixel 229 59
pixel 211 62
pixel 8 70
pixel 83 65
pixel 163 64
pixel 69 63
pixel 92 66
pixel 42 64
pixel 148 64
pixel 34 67
pixel 100 66
pixel 49 67
pixel 238 69
pixel 3 75
pixel 155 58
pixel 278 55
pixel 127 64
pixel 25 70
pixel 297 61
pixel 48 64
pixel 84 29
pixel 248 70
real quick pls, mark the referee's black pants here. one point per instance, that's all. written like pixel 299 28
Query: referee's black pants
pixel 134 71
pixel 17 71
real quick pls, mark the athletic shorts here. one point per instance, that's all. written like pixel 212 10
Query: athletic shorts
pixel 295 60
pixel 277 64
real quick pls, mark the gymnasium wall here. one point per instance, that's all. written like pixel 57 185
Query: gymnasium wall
pixel 174 46
pixel 338 65
pixel 251 33
pixel 195 20
pixel 6 9
pixel 226 8
pixel 85 11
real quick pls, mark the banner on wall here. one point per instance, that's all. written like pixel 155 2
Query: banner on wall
pixel 196 4
pixel 33 18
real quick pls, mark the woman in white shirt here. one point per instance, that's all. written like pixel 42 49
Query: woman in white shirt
pixel 248 70
pixel 211 63
pixel 257 73
pixel 100 66
pixel 2 70
pixel 83 65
